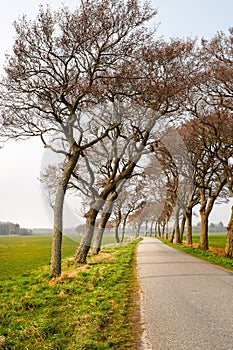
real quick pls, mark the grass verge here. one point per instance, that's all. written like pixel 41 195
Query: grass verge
pixel 88 307
pixel 207 255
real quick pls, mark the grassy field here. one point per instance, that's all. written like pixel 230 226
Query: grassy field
pixel 21 254
pixel 88 307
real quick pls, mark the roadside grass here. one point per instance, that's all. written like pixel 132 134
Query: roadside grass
pixel 89 307
pixel 22 254
pixel 215 253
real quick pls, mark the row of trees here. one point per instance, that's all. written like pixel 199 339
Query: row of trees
pixel 8 229
pixel 142 127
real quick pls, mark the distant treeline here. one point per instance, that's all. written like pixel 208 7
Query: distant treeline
pixel 212 228
pixel 8 229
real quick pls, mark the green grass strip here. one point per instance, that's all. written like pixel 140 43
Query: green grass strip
pixel 88 307
pixel 204 255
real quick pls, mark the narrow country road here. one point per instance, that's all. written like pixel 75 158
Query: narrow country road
pixel 187 303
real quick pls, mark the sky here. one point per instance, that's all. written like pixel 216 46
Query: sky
pixel 21 200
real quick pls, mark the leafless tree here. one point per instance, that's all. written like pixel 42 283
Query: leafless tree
pixel 209 179
pixel 63 64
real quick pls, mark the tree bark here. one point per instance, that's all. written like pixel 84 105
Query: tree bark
pixel 156 228
pixel 151 228
pixel 116 227
pixel 85 244
pixel 159 229
pixel 205 210
pixel 189 236
pixel 163 224
pixel 204 244
pixel 166 235
pixel 182 227
pixel 229 237
pixel 123 228
pixel 177 226
pixel 171 239
pixel 138 227
pixel 55 268
pixel 99 234
pixel 146 228
pixel 103 221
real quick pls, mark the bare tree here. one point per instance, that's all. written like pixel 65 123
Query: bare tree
pixel 157 102
pixel 218 54
pixel 63 64
pixel 120 168
pixel 209 173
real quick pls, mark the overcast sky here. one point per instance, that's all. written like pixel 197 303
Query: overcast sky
pixel 20 194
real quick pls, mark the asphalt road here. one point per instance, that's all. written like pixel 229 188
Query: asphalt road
pixel 187 303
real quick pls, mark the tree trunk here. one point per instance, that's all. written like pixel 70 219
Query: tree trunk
pixel 138 227
pixel 159 229
pixel 55 268
pixel 99 234
pixel 205 210
pixel 156 228
pixel 229 237
pixel 123 228
pixel 163 228
pixel 177 226
pixel 146 228
pixel 151 228
pixel 83 248
pixel 85 244
pixel 189 236
pixel 171 239
pixel 203 244
pixel 166 235
pixel 116 227
pixel 116 232
pixel 103 221
pixel 182 227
